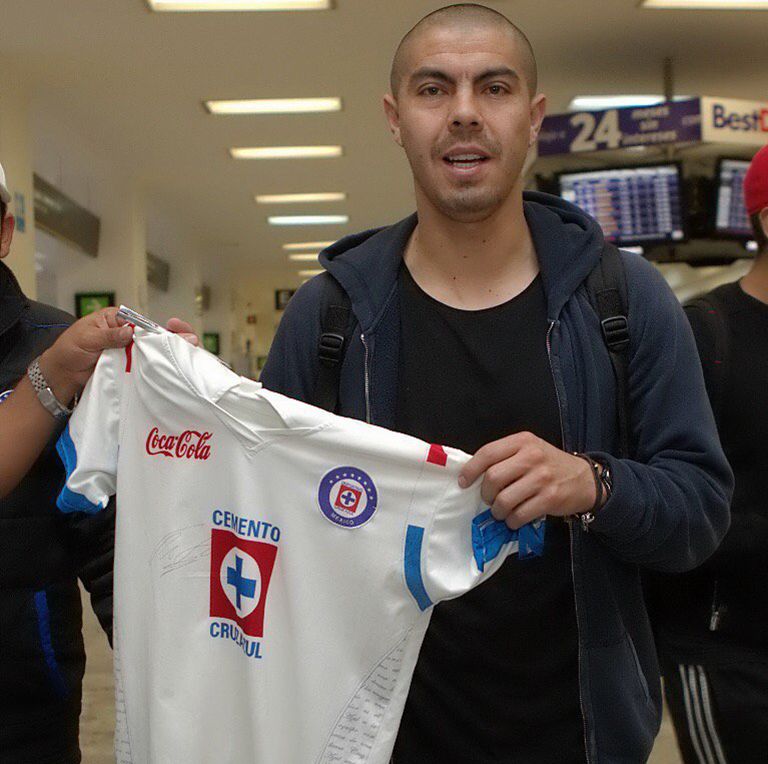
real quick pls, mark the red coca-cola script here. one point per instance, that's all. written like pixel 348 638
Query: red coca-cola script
pixel 191 444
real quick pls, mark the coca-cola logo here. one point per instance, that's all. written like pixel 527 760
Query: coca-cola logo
pixel 191 444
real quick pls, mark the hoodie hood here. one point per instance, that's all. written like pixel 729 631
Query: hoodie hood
pixel 568 244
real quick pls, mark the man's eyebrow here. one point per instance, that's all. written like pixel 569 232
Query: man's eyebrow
pixel 501 71
pixel 428 73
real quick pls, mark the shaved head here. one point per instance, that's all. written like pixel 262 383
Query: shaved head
pixel 465 16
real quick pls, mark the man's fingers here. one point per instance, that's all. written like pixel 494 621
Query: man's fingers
pixel 192 339
pixel 500 475
pixel 109 318
pixel 525 513
pixel 513 496
pixel 115 337
pixel 491 454
pixel 177 326
pixel 183 329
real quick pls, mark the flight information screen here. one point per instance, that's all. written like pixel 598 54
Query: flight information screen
pixel 633 205
pixel 731 217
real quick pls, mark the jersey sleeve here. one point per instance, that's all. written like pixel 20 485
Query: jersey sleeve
pixel 455 543
pixel 88 445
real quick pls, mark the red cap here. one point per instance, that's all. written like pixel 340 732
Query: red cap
pixel 756 183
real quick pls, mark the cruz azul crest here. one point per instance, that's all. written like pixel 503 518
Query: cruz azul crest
pixel 347 497
pixel 240 573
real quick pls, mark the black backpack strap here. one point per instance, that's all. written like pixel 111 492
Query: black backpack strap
pixel 336 328
pixel 715 319
pixel 607 288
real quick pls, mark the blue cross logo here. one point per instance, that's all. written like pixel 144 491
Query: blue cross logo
pixel 244 587
pixel 348 497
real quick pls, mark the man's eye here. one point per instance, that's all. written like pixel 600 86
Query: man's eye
pixel 496 89
pixel 430 90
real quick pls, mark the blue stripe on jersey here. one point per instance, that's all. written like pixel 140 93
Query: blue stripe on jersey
pixel 44 627
pixel 490 535
pixel 531 539
pixel 413 541
pixel 69 501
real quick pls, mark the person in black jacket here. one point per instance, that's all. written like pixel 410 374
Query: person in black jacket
pixel 469 324
pixel 43 552
pixel 712 623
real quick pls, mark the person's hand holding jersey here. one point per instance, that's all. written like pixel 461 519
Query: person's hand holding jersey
pixel 70 361
pixel 527 478
pixel 25 426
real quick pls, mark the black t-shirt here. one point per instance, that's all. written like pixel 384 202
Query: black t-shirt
pixel 497 676
pixel 737 385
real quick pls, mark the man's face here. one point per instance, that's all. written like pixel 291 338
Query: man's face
pixel 465 117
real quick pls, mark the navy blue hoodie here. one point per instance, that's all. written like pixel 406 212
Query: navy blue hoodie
pixel 669 506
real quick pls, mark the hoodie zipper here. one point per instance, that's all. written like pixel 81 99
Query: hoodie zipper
pixel 569 520
pixel 367 381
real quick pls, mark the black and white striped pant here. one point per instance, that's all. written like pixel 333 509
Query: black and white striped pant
pixel 720 712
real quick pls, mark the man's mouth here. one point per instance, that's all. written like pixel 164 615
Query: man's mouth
pixel 465 161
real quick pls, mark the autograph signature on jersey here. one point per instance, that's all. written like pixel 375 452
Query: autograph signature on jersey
pixel 182 547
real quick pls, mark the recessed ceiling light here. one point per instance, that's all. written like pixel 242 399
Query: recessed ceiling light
pixel 712 5
pixel 274 106
pixel 239 5
pixel 304 258
pixel 598 102
pixel 308 219
pixel 314 272
pixel 286 152
pixel 296 246
pixel 294 198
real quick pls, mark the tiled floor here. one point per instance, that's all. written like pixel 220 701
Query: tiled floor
pixel 98 705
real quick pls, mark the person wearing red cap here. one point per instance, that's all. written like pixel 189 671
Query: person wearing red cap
pixel 712 623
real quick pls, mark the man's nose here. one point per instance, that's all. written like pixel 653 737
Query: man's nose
pixel 465 111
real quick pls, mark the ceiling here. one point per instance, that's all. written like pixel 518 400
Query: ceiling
pixel 135 81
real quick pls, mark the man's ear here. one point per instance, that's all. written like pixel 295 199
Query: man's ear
pixel 392 113
pixel 538 110
pixel 6 234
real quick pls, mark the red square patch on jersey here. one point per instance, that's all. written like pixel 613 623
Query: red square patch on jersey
pixel 240 573
pixel 348 498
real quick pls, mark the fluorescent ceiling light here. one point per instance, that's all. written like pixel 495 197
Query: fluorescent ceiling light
pixel 311 273
pixel 305 258
pixel 297 246
pixel 702 5
pixel 286 152
pixel 294 198
pixel 308 219
pixel 239 5
pixel 598 102
pixel 274 106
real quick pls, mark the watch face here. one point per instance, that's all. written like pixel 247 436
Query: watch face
pixel 48 399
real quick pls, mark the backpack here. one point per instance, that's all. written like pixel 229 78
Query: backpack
pixel 607 288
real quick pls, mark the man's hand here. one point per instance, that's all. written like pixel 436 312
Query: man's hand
pixel 527 478
pixel 70 361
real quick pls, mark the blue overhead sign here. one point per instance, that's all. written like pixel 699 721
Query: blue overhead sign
pixel 665 123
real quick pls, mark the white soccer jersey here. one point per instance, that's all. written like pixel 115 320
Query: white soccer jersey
pixel 275 565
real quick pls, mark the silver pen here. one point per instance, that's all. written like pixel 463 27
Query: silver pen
pixel 137 319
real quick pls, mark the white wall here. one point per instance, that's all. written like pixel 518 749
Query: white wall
pixel 87 174
pixel 83 169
